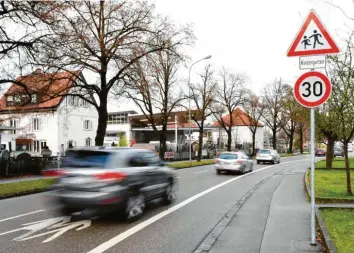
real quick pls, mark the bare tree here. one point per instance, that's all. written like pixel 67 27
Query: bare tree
pixel 105 39
pixel 229 94
pixel 254 108
pixel 273 95
pixel 302 125
pixel 202 95
pixel 152 85
pixel 290 113
pixel 341 70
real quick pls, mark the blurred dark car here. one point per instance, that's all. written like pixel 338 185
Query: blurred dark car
pixel 100 180
pixel 338 152
pixel 320 152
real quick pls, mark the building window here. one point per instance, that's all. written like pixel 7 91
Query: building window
pixel 10 100
pixel 118 118
pixel 36 146
pixel 84 103
pixel 34 98
pixel 17 99
pixel 13 123
pixel 71 100
pixel 88 141
pixel 35 124
pixel 87 125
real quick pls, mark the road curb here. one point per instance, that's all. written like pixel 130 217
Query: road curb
pixel 326 238
pixel 20 194
pixel 320 200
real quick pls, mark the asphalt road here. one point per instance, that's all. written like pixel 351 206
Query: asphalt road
pixel 28 224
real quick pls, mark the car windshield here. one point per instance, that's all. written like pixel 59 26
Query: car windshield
pixel 264 151
pixel 227 156
pixel 86 159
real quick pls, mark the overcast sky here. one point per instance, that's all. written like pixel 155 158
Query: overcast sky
pixel 251 36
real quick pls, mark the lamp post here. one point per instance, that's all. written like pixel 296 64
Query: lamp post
pixel 189 107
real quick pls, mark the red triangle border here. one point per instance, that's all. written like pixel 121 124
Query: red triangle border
pixel 313 16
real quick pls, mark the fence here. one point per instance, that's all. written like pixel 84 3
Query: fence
pixel 26 165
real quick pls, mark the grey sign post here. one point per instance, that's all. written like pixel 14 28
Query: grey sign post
pixel 313 42
pixel 311 90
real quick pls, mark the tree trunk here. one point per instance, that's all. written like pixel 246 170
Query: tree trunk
pixel 274 138
pixel 163 147
pixel 254 143
pixel 102 122
pixel 229 139
pixel 200 148
pixel 301 141
pixel 329 151
pixel 349 185
pixel 291 142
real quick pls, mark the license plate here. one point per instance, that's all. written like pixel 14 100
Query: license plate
pixel 75 180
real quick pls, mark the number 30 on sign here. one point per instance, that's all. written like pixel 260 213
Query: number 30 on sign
pixel 312 89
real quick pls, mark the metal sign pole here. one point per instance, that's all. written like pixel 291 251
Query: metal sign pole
pixel 313 225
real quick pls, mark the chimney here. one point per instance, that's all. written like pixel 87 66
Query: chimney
pixel 38 71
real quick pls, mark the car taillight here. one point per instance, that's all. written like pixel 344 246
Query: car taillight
pixel 111 176
pixel 239 162
pixel 217 161
pixel 53 173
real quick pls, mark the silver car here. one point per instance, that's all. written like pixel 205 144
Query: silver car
pixel 105 180
pixel 233 162
pixel 268 155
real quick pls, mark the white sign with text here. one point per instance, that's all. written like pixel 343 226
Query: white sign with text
pixel 312 62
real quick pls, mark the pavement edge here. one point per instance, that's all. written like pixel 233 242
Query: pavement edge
pixel 208 242
pixel 322 229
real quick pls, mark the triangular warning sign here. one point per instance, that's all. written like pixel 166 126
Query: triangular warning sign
pixel 313 39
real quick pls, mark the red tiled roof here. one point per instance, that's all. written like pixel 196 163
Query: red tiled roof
pixel 194 125
pixel 44 84
pixel 239 118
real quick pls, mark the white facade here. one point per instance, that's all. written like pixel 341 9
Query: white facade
pixel 118 125
pixel 72 121
pixel 240 135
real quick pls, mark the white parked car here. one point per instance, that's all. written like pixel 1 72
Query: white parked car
pixel 268 155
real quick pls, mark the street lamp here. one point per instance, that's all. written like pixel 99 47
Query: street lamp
pixel 189 107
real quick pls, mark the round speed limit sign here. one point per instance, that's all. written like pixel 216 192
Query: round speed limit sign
pixel 312 89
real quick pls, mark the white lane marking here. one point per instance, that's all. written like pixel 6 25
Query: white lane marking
pixel 21 215
pixel 59 226
pixel 200 172
pixel 120 237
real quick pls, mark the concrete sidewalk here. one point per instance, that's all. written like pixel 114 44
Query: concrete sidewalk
pixel 275 219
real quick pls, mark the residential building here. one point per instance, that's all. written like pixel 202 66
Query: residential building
pixel 241 133
pixel 46 115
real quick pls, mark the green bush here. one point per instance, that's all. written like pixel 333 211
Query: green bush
pixel 187 164
pixel 123 141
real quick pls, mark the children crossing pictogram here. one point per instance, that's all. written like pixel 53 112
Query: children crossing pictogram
pixel 312 39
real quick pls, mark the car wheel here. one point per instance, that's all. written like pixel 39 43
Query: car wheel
pixel 258 162
pixel 135 207
pixel 272 162
pixel 251 168
pixel 218 172
pixel 242 171
pixel 170 194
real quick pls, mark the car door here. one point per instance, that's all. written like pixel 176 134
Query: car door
pixel 154 174
pixel 157 172
pixel 277 156
pixel 246 161
pixel 140 173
